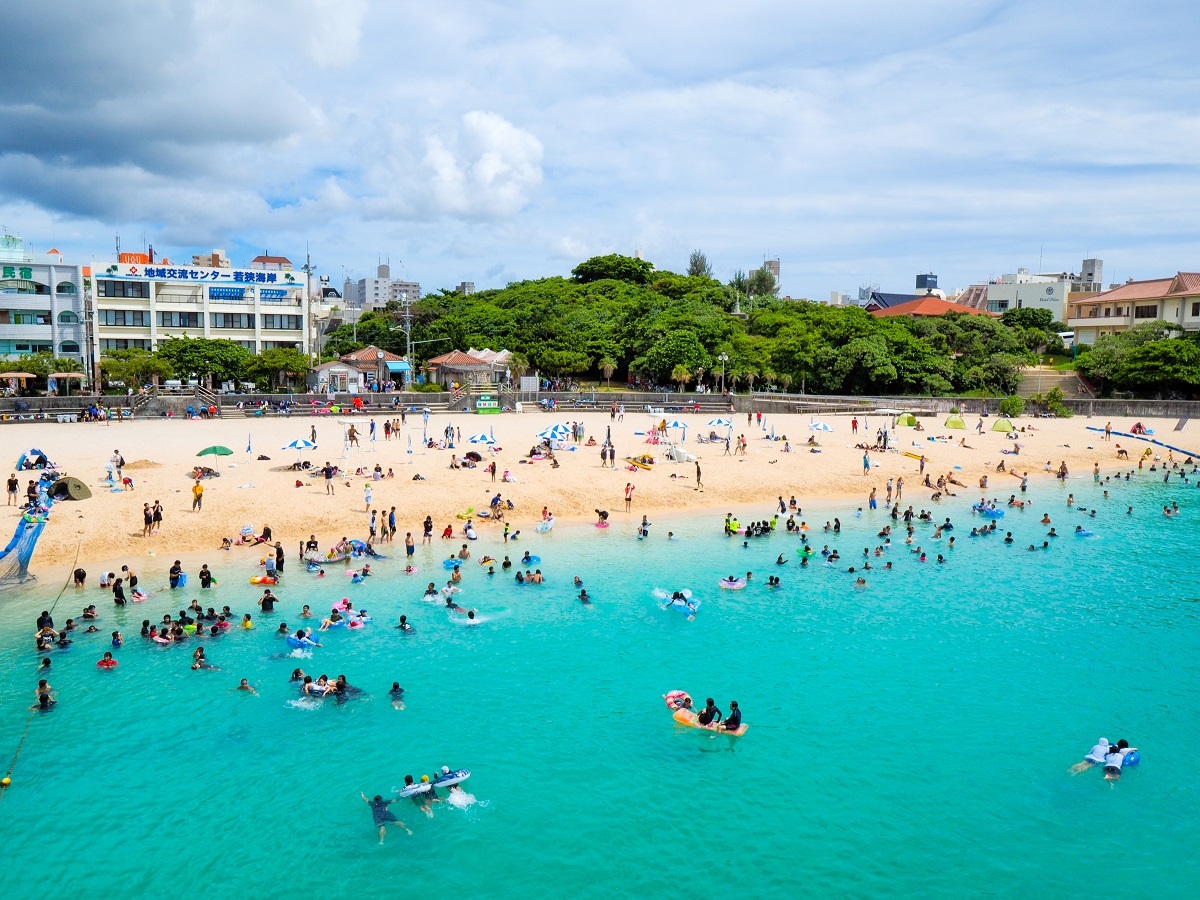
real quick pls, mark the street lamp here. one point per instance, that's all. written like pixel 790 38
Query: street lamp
pixel 724 358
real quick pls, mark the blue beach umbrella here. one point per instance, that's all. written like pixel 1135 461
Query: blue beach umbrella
pixel 481 439
pixel 299 445
pixel 719 423
pixel 820 426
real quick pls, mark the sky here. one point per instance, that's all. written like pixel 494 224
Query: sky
pixel 860 142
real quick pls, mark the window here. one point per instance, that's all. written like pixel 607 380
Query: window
pixel 34 348
pixel 123 344
pixel 279 322
pixel 136 289
pixel 1146 312
pixel 1107 311
pixel 66 317
pixel 124 318
pixel 67 287
pixel 281 345
pixel 179 319
pixel 232 320
pixel 68 347
pixel 249 345
pixel 1196 309
pixel 20 317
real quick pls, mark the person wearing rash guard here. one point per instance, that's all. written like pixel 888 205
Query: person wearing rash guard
pixel 1114 759
pixel 710 715
pixel 404 625
pixel 382 816
pixel 1094 757
pixel 734 721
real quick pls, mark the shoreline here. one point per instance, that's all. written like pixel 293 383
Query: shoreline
pixel 160 454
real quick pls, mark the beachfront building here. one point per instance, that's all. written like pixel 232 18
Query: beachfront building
pixel 920 307
pixel 368 369
pixel 375 293
pixel 1023 290
pixel 1175 300
pixel 41 303
pixel 138 304
pixel 473 367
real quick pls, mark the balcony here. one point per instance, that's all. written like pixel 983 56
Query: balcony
pixel 1099 320
pixel 25 332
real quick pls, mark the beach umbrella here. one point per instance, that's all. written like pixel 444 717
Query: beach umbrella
pixel 555 433
pixel 14 375
pixel 410 449
pixel 772 431
pixel 492 433
pixel 481 439
pixel 299 445
pixel 57 375
pixel 215 450
pixel 472 454
pixel 820 426
pixel 719 423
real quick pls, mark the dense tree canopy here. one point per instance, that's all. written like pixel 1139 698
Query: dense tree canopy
pixel 619 315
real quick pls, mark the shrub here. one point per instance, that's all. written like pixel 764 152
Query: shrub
pixel 954 411
pixel 1012 406
pixel 427 388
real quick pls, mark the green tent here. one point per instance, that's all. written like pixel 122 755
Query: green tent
pixel 955 421
pixel 1003 425
pixel 908 419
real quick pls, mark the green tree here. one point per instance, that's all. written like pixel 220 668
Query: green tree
pixel 613 267
pixel 678 347
pixel 681 375
pixel 607 365
pixel 1012 406
pixel 1028 317
pixel 1169 365
pixel 278 367
pixel 698 265
pixel 1102 363
pixel 134 368
pixel 563 362
pixel 198 357
pixel 761 283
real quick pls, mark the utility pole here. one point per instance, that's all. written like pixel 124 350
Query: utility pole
pixel 310 323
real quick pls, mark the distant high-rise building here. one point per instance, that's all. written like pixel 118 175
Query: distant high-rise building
pixel 466 287
pixel 375 293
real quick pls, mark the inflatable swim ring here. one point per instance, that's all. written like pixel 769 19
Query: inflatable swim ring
pixel 675 699
pixel 262 579
pixel 688 607
pixel 602 524
pixel 1084 533
pixel 452 778
pixel 530 560
pixel 732 584
pixel 413 789
pixel 451 563
pixel 1131 759
pixel 107 664
pixel 544 526
pixel 411 570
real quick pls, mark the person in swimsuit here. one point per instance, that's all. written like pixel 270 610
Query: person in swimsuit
pixel 710 715
pixel 382 816
pixel 397 695
pixel 734 721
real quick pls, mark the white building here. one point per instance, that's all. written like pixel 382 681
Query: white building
pixel 1047 290
pixel 138 305
pixel 41 303
pixel 374 293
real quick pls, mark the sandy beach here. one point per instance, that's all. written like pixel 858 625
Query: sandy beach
pixel 160 455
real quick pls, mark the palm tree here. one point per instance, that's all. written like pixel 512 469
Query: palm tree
pixel 785 381
pixel 608 365
pixel 681 376
pixel 518 365
pixel 750 375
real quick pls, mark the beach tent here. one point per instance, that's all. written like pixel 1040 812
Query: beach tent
pixel 907 419
pixel 955 421
pixel 36 460
pixel 1003 425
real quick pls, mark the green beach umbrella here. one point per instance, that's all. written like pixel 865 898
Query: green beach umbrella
pixel 215 450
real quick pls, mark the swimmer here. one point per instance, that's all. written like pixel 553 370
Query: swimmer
pixel 584 598
pixel 780 561
pixel 244 685
pixel 45 702
pixel 423 799
pixel 1114 759
pixel 1094 757
pixel 382 816
pixel 397 695
pixel 404 625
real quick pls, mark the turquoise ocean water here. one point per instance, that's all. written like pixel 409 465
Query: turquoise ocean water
pixel 909 739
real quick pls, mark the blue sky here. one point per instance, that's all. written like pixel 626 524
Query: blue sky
pixel 489 142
